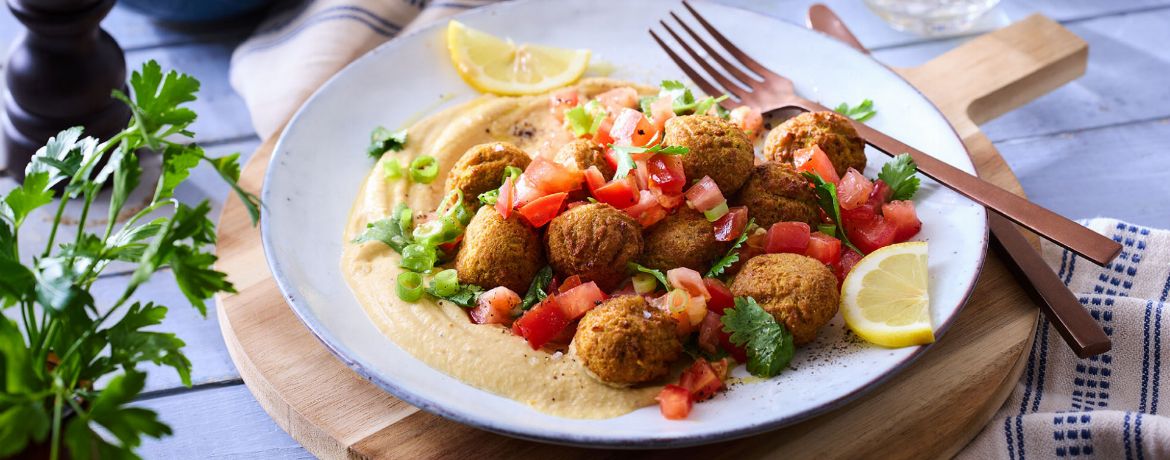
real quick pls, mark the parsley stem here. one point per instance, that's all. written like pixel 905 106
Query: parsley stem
pixel 53 449
pixel 53 229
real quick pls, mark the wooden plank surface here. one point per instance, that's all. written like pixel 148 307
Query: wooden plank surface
pixel 1122 100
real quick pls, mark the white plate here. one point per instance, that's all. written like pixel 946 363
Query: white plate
pixel 320 161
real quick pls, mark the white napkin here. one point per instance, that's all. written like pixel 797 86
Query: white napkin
pixel 1063 406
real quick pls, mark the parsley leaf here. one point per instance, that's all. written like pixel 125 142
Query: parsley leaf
pixel 827 199
pixel 899 175
pixel 465 296
pixel 383 140
pixel 705 105
pixel 536 291
pixel 394 231
pixel 32 194
pixel 111 410
pixel 636 267
pixel 864 111
pixel 228 168
pixel 585 119
pixel 768 344
pixel 682 97
pixel 129 344
pixel 732 255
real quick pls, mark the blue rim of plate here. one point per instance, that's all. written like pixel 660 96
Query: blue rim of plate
pixel 364 369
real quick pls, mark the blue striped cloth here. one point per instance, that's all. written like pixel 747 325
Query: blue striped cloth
pixel 293 52
pixel 1105 406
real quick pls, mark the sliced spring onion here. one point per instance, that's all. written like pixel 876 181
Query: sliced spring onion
pixel 443 230
pixel 715 213
pixel 828 229
pixel 677 300
pixel 424 169
pixel 418 258
pixel 410 286
pixel 445 283
pixel 644 283
pixel 391 169
pixel 452 206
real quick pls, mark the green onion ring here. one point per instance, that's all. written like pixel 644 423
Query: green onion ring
pixel 410 286
pixel 445 283
pixel 424 169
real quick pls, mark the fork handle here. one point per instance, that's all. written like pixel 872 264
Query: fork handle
pixel 1050 225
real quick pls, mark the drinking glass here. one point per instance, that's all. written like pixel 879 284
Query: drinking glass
pixel 931 17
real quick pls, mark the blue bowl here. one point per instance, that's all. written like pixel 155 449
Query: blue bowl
pixel 194 10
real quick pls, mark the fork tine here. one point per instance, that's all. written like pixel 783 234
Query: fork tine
pixel 731 48
pixel 702 83
pixel 728 85
pixel 732 69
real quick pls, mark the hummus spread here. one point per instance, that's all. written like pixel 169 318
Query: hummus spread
pixel 439 333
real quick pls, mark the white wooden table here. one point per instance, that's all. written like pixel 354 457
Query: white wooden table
pixel 1097 147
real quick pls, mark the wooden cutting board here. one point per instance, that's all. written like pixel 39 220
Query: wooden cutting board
pixel 932 409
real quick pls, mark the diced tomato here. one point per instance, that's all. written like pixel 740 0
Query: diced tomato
pixel 791 237
pixel 696 309
pixel 541 324
pixel 813 159
pixel 749 120
pixel 632 128
pixel 709 332
pixel 859 216
pixel 569 283
pixel 627 288
pixel 853 190
pixel 688 280
pixel 495 306
pixel 824 248
pixel 674 304
pixel 602 137
pixel 543 209
pixel 551 177
pixel 873 235
pixel 701 380
pixel 449 247
pixel 731 225
pixel 722 368
pixel 666 171
pixel 661 109
pixel 504 202
pixel 705 194
pixel 652 216
pixel 721 297
pixel 849 258
pixel 617 99
pixel 575 302
pixel 594 179
pixel 666 200
pixel 619 193
pixel 561 101
pixel 647 210
pixel 905 220
pixel 881 193
pixel 675 402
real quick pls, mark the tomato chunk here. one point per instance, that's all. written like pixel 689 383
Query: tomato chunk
pixel 731 225
pixel 504 202
pixel 541 210
pixel 859 216
pixel 814 160
pixel 824 248
pixel 661 109
pixel 569 283
pixel 853 190
pixel 675 402
pixel 616 99
pixel 881 193
pixel 541 324
pixel 575 302
pixel 552 177
pixel 631 127
pixel 594 179
pixel 701 379
pixel 873 235
pixel 705 194
pixel 721 297
pixel 849 258
pixel 647 211
pixel 495 306
pixel 561 101
pixel 688 280
pixel 666 171
pixel 621 193
pixel 789 237
pixel 904 219
pixel 749 120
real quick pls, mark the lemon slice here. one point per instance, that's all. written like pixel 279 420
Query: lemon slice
pixel 885 299
pixel 494 65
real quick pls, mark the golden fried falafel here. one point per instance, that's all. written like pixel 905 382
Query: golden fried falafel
pixel 583 153
pixel 625 341
pixel 777 193
pixel 683 239
pixel 481 168
pixel 595 241
pixel 717 149
pixel 499 252
pixel 800 292
pixel 831 131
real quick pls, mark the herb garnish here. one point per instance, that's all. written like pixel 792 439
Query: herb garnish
pixel 625 162
pixel 827 199
pixel 768 343
pixel 657 274
pixel 683 100
pixel 899 175
pixel 394 231
pixel 585 119
pixel 732 255
pixel 383 140
pixel 536 291
pixel 465 296
pixel 864 111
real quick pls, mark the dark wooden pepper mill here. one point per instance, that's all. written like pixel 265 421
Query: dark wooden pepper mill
pixel 60 74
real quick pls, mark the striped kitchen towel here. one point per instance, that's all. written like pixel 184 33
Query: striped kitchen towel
pixel 293 52
pixel 1105 406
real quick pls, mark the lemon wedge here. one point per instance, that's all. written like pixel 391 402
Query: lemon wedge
pixel 495 65
pixel 885 298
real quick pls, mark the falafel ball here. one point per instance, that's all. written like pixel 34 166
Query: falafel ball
pixel 625 341
pixel 594 241
pixel 831 131
pixel 481 168
pixel 583 153
pixel 683 239
pixel 777 193
pixel 499 252
pixel 717 149
pixel 799 291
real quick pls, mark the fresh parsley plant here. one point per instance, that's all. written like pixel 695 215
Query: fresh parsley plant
pixel 864 111
pixel 899 174
pixel 69 365
pixel 732 255
pixel 768 343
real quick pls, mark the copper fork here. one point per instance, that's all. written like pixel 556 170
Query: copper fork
pixel 767 91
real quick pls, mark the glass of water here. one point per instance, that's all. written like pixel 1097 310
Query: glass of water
pixel 931 17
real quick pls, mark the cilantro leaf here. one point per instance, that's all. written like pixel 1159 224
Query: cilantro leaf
pixel 769 345
pixel 864 111
pixel 636 267
pixel 536 290
pixel 705 105
pixel 383 140
pixel 732 255
pixel 585 119
pixel 827 199
pixel 682 97
pixel 394 231
pixel 899 175
pixel 465 296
